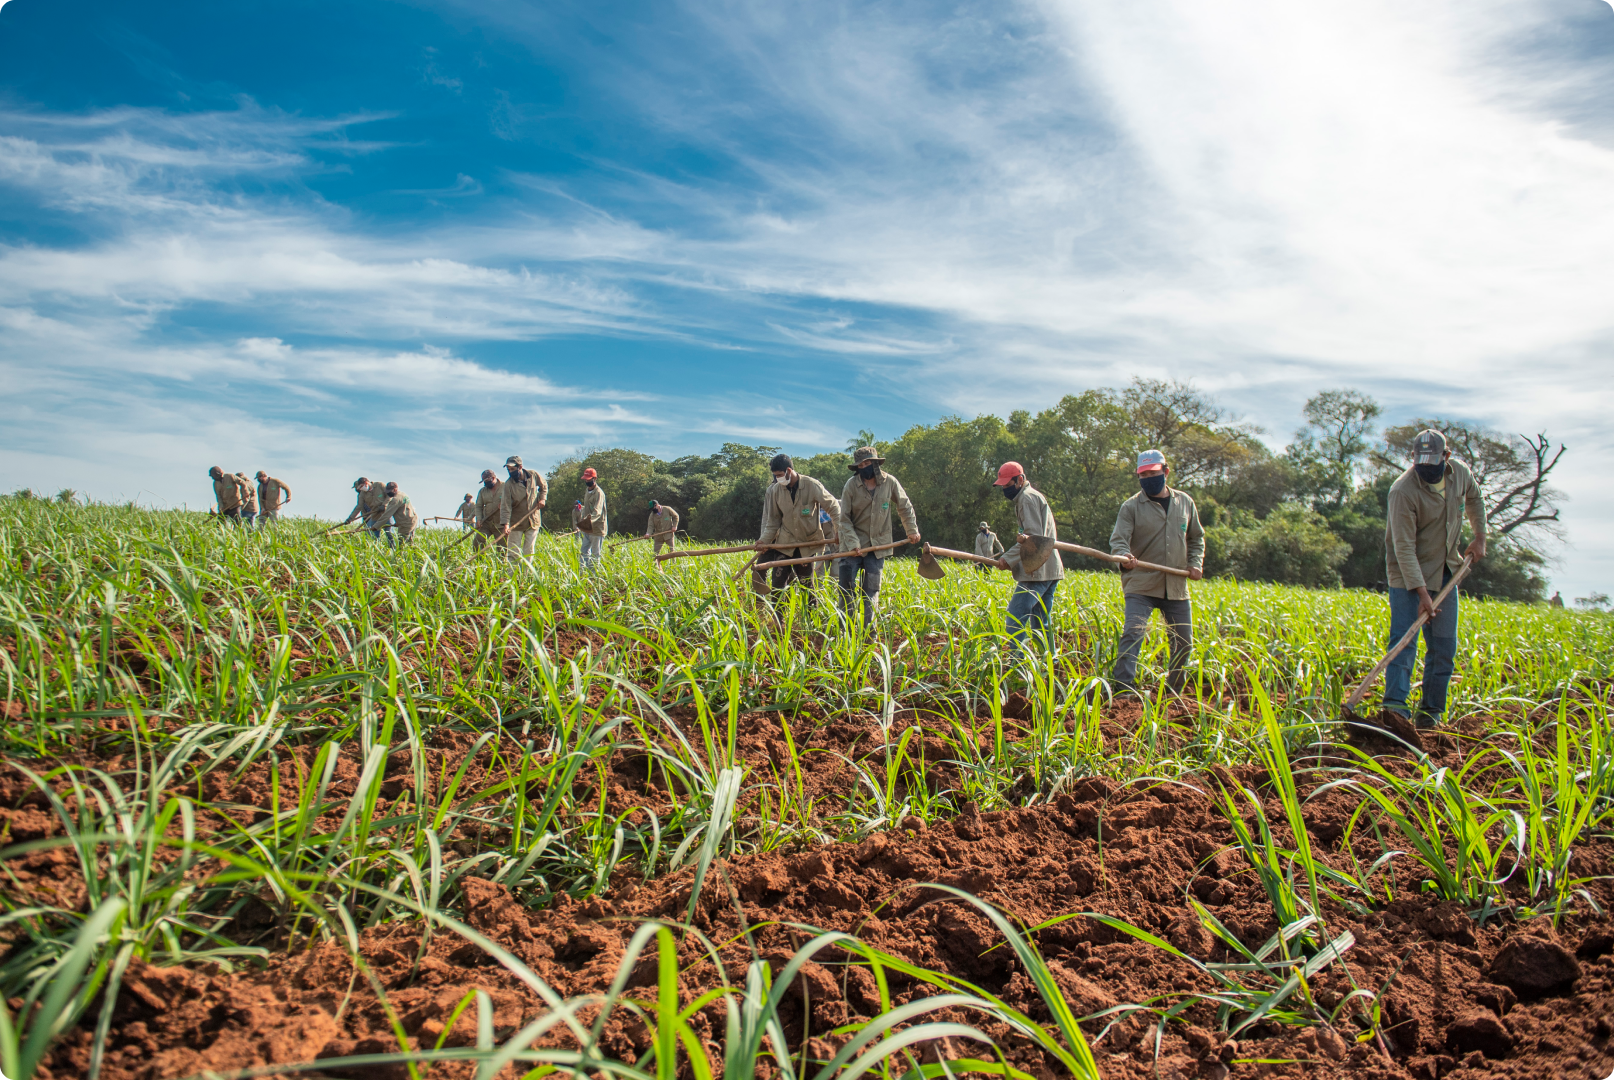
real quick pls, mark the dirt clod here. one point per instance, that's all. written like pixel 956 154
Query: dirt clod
pixel 1534 966
pixel 1480 1030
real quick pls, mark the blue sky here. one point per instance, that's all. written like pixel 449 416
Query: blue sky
pixel 408 239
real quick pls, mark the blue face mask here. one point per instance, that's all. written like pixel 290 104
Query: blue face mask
pixel 1152 485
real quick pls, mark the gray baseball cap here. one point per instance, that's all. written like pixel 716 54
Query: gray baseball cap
pixel 1428 447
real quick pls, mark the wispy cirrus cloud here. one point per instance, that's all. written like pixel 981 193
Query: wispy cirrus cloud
pixel 814 204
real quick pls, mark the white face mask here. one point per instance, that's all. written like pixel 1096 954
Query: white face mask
pixel 782 478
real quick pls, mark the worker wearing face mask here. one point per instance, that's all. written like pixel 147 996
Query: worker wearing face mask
pixel 485 517
pixel 1032 602
pixel 1159 525
pixel 591 520
pixel 371 498
pixel 987 543
pixel 522 497
pixel 398 511
pixel 791 520
pixel 1423 525
pixel 661 523
pixel 866 504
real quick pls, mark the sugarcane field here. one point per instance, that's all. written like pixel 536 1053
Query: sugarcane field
pixel 290 799
pixel 693 540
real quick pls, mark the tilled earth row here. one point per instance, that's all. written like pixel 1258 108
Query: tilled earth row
pixel 1508 999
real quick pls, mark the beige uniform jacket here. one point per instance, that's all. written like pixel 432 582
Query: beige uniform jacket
pixel 1035 516
pixel 664 520
pixel 868 513
pixel 1423 527
pixel 487 505
pixel 397 511
pixel 249 495
pixel 269 491
pixel 367 508
pixel 792 520
pixel 467 511
pixel 987 543
pixel 516 497
pixel 1171 537
pixel 230 492
pixel 592 519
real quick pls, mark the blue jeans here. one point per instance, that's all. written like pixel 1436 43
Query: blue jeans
pixel 1179 619
pixel 1440 652
pixel 871 565
pixel 1030 605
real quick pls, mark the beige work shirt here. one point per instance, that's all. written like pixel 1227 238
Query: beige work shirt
pixel 664 520
pixel 397 511
pixel 592 517
pixel 1423 527
pixel 467 511
pixel 517 495
pixel 368 506
pixel 1035 516
pixel 987 543
pixel 269 491
pixel 249 496
pixel 792 520
pixel 1170 536
pixel 868 513
pixel 487 505
pixel 230 492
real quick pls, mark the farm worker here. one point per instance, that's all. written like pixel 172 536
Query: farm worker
pixel 791 518
pixel 397 511
pixel 987 543
pixel 1160 525
pixel 368 507
pixel 467 513
pixel 228 491
pixel 662 523
pixel 1557 600
pixel 866 504
pixel 1033 598
pixel 486 515
pixel 591 520
pixel 1423 523
pixel 249 500
pixel 522 497
pixel 269 492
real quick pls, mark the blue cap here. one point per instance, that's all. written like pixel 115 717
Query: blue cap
pixel 1149 459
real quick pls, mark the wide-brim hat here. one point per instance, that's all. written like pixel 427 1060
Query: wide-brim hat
pixel 983 525
pixel 864 455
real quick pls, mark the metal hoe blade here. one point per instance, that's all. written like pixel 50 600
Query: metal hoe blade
pixel 928 566
pixel 1034 551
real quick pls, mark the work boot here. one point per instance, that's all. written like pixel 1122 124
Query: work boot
pixel 1427 721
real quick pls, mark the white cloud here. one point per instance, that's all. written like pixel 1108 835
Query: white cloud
pixel 1266 197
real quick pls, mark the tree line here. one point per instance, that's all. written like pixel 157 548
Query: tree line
pixel 1309 514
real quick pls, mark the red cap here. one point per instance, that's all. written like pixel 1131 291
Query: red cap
pixel 1008 472
pixel 590 474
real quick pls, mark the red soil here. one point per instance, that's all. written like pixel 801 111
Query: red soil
pixel 1508 999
